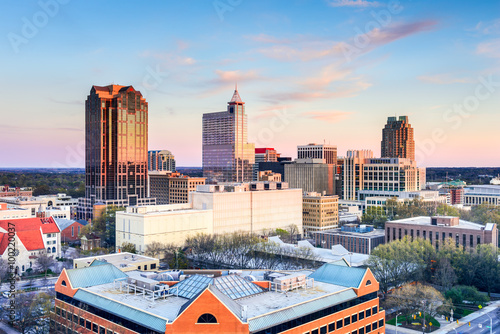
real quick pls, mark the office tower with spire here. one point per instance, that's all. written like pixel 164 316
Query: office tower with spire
pixel 397 139
pixel 116 150
pixel 227 155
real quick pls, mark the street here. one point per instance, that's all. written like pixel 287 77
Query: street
pixel 484 320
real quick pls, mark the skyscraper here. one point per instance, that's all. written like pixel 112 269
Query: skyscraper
pixel 116 133
pixel 397 139
pixel 227 156
pixel 161 161
pixel 353 172
pixel 318 151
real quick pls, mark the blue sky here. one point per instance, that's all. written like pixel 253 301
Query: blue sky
pixel 309 71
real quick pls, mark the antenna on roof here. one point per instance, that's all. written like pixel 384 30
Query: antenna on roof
pixel 235 86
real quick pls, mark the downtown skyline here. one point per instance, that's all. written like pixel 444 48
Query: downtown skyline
pixel 331 71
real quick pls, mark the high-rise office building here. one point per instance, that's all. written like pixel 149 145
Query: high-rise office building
pixel 353 173
pixel 161 161
pixel 116 134
pixel 311 175
pixel 265 154
pixel 319 213
pixel 318 151
pixel 227 155
pixel 397 139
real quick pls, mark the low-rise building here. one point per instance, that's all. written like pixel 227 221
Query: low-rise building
pixel 70 229
pixel 481 194
pixel 124 261
pixel 6 191
pixel 354 237
pixel 319 213
pixel 269 176
pixel 32 236
pixel 172 188
pixel 334 298
pixel 34 204
pixel 90 241
pixel 9 212
pixel 438 229
pixel 249 207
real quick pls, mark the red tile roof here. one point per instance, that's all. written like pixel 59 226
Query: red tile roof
pixel 28 232
pixel 48 225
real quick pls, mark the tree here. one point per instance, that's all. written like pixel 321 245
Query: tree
pixel 445 274
pixel 128 247
pixel 414 298
pixel 401 261
pixel 462 293
pixel 4 270
pixel 105 225
pixel 44 262
pixel 293 231
pixel 154 249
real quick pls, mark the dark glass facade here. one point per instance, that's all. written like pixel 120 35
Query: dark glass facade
pixel 116 132
pixel 227 155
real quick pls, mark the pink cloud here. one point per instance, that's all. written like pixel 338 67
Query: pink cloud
pixel 236 76
pixel 489 49
pixel 331 116
pixel 353 3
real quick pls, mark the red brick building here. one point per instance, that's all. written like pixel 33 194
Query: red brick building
pixel 70 229
pixel 102 299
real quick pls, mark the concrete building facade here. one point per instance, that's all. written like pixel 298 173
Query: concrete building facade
pixel 319 213
pixel 172 188
pixel 311 175
pixel 354 237
pixel 318 151
pixel 438 229
pixel 353 173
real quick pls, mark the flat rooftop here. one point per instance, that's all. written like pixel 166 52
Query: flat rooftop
pixel 117 259
pixel 426 221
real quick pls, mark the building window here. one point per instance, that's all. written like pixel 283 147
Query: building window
pixel 82 322
pixel 331 326
pixel 381 323
pixel 361 315
pixel 63 283
pixel 368 282
pixel 339 323
pixel 368 312
pixel 206 318
pixel 374 310
pixel 347 321
pixel 368 328
pixel 72 231
pixel 53 249
pixel 354 318
pixel 478 240
pixel 48 250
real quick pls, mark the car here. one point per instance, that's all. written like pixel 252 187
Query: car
pixel 6 294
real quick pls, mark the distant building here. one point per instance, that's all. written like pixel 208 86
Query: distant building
pixel 116 150
pixel 172 188
pixel 43 203
pixel 161 161
pixel 481 194
pixel 438 229
pixel 227 155
pixel 90 241
pixel 7 212
pixel 354 237
pixel 124 261
pixel 353 173
pixel 386 176
pixel 265 154
pixel 32 237
pixel 276 167
pixel 311 175
pixel 6 191
pixel 250 207
pixel 457 196
pixel 103 299
pixel 270 176
pixel 318 151
pixel 397 139
pixel 319 213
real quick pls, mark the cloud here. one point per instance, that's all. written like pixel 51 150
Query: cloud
pixel 346 90
pixel 353 3
pixel 307 49
pixel 487 28
pixel 330 116
pixel 443 79
pixel 489 49
pixel 327 75
pixel 224 77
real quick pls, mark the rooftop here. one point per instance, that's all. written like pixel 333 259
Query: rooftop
pixel 104 286
pixel 426 221
pixel 120 260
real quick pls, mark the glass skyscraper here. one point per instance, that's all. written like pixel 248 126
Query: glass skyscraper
pixel 227 155
pixel 116 148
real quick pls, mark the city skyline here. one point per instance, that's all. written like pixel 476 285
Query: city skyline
pixel 329 72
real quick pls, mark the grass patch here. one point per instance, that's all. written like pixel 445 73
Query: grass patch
pixel 408 322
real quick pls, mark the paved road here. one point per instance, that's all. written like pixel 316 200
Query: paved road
pixel 484 320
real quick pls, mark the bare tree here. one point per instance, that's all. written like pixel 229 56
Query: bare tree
pixel 4 270
pixel 44 262
pixel 154 249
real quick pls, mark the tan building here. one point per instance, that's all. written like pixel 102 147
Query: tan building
pixel 123 261
pixel 353 176
pixel 319 213
pixel 397 139
pixel 438 229
pixel 172 188
pixel 268 175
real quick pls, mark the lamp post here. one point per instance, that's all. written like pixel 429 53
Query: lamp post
pixel 423 311
pixel 397 322
pixel 491 323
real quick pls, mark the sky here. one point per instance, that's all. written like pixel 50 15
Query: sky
pixel 324 71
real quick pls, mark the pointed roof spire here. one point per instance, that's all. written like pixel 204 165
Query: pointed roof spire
pixel 236 96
